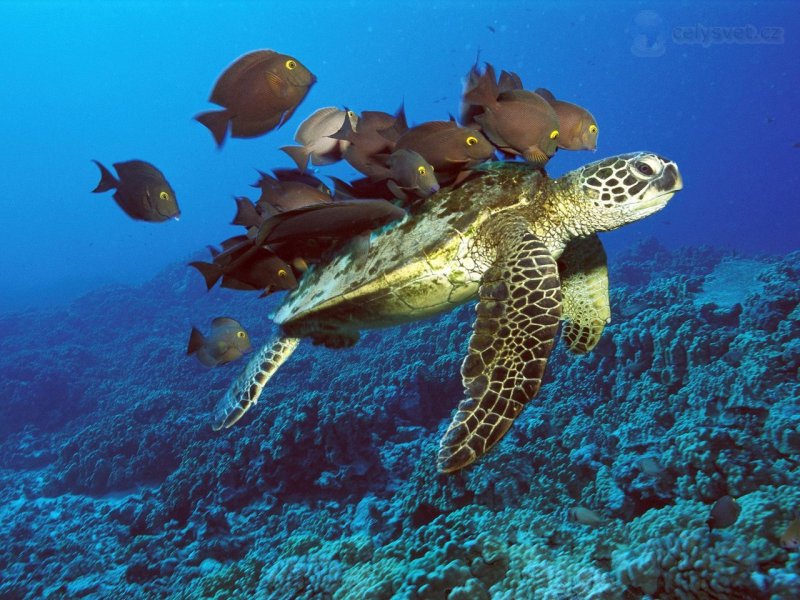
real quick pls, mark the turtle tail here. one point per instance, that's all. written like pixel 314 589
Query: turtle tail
pixel 247 387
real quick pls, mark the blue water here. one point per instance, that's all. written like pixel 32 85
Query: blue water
pixel 122 81
pixel 112 483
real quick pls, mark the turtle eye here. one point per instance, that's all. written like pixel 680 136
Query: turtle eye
pixel 592 128
pixel 472 140
pixel 282 273
pixel 644 168
pixel 164 196
pixel 554 134
pixel 291 65
pixel 421 170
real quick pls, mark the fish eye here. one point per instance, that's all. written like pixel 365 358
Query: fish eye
pixel 472 140
pixel 164 196
pixel 644 168
pixel 421 170
pixel 240 334
pixel 290 64
pixel 351 114
pixel 554 134
pixel 592 128
pixel 282 273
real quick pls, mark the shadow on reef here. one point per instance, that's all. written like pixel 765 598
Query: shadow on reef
pixel 113 482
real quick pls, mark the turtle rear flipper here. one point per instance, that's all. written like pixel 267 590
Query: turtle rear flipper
pixel 584 286
pixel 518 311
pixel 247 387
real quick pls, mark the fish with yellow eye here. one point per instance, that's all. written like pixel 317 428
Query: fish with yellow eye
pixel 407 174
pixel 518 122
pixel 142 191
pixel 576 126
pixel 448 147
pixel 411 175
pixel 313 137
pixel 261 270
pixel 227 342
pixel 258 92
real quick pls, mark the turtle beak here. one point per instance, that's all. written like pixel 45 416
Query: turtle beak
pixel 670 180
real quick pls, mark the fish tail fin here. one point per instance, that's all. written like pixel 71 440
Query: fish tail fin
pixel 246 213
pixel 485 90
pixel 509 81
pixel 196 341
pixel 217 122
pixel 247 387
pixel 299 154
pixel 210 272
pixel 107 180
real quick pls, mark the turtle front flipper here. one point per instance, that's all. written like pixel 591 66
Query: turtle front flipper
pixel 518 312
pixel 584 287
pixel 247 387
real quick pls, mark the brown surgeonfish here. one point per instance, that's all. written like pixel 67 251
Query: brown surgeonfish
pixel 577 128
pixel 261 270
pixel 280 196
pixel 584 516
pixel 410 175
pixel 518 122
pixel 340 220
pixel 142 191
pixel 446 146
pixel 258 92
pixel 724 513
pixel 313 137
pixel 227 341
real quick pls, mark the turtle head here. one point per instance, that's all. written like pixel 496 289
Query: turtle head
pixel 625 188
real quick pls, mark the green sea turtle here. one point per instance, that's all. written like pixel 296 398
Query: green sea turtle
pixel 522 244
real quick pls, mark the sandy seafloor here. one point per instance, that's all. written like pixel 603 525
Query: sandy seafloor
pixel 115 486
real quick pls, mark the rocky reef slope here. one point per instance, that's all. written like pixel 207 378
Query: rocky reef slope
pixel 114 485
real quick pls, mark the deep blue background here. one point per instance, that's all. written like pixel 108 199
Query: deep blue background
pixel 121 80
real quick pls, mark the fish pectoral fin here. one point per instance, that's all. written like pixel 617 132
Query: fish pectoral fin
pixel 584 287
pixel 518 312
pixel 276 85
pixel 247 387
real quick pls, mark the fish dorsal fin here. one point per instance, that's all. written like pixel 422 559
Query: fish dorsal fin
pixel 518 313
pixel 546 94
pixel 224 322
pixel 509 81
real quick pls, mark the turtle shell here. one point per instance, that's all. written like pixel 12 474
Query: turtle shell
pixel 417 267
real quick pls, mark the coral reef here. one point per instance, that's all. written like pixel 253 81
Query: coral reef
pixel 113 484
